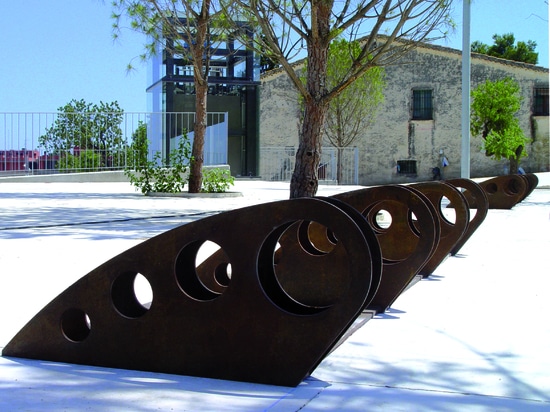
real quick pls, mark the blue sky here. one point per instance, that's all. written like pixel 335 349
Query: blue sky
pixel 56 50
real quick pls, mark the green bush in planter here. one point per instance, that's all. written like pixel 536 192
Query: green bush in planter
pixel 216 180
pixel 159 175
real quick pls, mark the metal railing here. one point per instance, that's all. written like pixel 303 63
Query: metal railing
pixel 46 143
pixel 277 164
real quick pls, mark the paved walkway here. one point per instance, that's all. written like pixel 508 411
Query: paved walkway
pixel 474 336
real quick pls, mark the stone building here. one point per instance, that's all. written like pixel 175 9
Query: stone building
pixel 418 127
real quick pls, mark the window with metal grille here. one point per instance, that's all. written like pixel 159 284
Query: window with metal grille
pixel 422 105
pixel 406 167
pixel 541 101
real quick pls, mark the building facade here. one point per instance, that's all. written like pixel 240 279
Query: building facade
pixel 418 126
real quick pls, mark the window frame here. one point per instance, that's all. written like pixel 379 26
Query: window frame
pixel 540 101
pixel 422 104
pixel 407 167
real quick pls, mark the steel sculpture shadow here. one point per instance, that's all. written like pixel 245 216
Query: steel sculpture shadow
pixel 247 327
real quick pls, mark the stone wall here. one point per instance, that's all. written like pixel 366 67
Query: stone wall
pixel 394 137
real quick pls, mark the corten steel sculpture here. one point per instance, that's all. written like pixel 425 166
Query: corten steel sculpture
pixel 480 203
pixel 532 183
pixel 451 231
pixel 317 241
pixel 247 328
pixel 405 245
pixel 503 192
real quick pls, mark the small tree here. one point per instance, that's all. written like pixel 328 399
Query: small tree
pixel 188 30
pixel 139 148
pixel 353 110
pixel 81 127
pixel 387 28
pixel 493 115
pixel 504 47
pixel 161 174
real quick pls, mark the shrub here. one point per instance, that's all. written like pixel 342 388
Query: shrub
pixel 86 160
pixel 159 175
pixel 217 180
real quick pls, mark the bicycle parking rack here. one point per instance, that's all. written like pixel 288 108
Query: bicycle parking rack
pixel 451 230
pixel 532 183
pixel 252 330
pixel 405 245
pixel 280 287
pixel 480 203
pixel 503 192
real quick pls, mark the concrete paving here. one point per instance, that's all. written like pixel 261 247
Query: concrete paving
pixel 473 336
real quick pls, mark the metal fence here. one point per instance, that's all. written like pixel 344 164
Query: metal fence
pixel 277 164
pixel 45 143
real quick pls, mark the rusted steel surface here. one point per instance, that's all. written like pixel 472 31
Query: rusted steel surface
pixel 318 242
pixel 236 321
pixel 532 183
pixel 504 192
pixel 452 229
pixel 480 203
pixel 405 246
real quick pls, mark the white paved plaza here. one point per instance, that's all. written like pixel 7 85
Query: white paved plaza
pixel 474 336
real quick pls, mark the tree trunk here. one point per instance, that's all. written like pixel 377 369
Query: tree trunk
pixel 514 161
pixel 305 179
pixel 201 61
pixel 514 167
pixel 339 165
pixel 197 151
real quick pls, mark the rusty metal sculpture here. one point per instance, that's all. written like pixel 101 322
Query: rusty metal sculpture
pixel 317 241
pixel 243 324
pixel 405 245
pixel 503 192
pixel 480 203
pixel 532 183
pixel 281 289
pixel 453 229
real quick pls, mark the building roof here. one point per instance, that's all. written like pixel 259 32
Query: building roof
pixel 427 46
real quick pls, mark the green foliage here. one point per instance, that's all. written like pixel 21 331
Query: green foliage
pixel 505 48
pixel 493 115
pixel 494 105
pixel 86 160
pixel 353 108
pixel 506 144
pixel 86 126
pixel 139 148
pixel 160 175
pixel 190 31
pixel 155 19
pixel 217 180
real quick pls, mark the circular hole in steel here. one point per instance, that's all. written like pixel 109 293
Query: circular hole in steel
pixel 512 187
pixel 383 219
pixel 448 213
pixel 316 238
pixel 203 270
pixel 75 324
pixel 413 223
pixel 222 274
pixel 143 291
pixel 131 294
pixel 491 188
pixel 298 277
